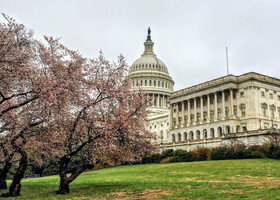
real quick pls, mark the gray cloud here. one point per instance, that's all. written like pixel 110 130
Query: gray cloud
pixel 190 36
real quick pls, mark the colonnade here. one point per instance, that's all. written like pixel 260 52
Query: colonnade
pixel 200 109
pixel 160 100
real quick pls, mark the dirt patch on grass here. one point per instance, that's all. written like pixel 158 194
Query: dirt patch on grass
pixel 232 191
pixel 145 194
pixel 188 179
pixel 258 182
pixel 212 181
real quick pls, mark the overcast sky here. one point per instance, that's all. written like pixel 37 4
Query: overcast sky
pixel 190 36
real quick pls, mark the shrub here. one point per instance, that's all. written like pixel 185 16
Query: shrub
pixel 201 153
pixel 167 153
pixel 221 153
pixel 276 154
pixel 182 156
pixel 153 158
pixel 167 160
pixel 257 154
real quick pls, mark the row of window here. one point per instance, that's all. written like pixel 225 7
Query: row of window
pixel 270 95
pixel 198 135
pixel 155 83
pixel 272 109
pixel 219 115
pixel 148 66
pixel 219 100
pixel 155 126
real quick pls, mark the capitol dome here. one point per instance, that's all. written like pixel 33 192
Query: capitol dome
pixel 151 74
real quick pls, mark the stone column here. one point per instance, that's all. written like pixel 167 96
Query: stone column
pixel 216 106
pixel 231 103
pixel 158 100
pixel 201 109
pixel 189 112
pixel 177 115
pixel 208 107
pixel 183 114
pixel 171 116
pixel 223 105
pixel 154 100
pixel 194 107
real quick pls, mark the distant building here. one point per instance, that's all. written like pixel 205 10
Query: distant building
pixel 210 114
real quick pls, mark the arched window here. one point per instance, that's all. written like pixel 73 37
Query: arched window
pixel 220 131
pixel 179 137
pixel 185 136
pixel 238 129
pixel 204 133
pixel 198 135
pixel 191 136
pixel 212 132
pixel 173 138
pixel 227 129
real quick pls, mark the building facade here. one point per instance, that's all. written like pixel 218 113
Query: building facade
pixel 241 108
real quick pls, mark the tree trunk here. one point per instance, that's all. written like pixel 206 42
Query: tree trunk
pixel 64 186
pixel 64 180
pixel 15 187
pixel 4 173
pixel 64 183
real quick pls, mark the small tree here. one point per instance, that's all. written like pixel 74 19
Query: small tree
pixel 37 84
pixel 107 122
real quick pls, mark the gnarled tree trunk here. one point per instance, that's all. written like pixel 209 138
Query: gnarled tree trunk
pixel 4 173
pixel 15 187
pixel 64 180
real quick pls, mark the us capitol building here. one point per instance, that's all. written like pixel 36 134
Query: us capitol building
pixel 217 112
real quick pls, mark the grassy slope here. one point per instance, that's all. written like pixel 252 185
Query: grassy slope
pixel 230 179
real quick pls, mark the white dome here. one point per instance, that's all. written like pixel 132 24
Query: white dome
pixel 150 73
pixel 149 62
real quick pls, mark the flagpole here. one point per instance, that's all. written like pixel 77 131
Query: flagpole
pixel 227 60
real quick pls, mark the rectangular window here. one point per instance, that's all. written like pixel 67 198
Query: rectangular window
pixel 235 111
pixel 262 94
pixel 205 116
pixel 198 117
pixel 243 112
pixel 226 98
pixel 192 119
pixel 227 112
pixel 212 115
pixel 271 96
pixel 219 113
pixel 271 113
pixel 241 94
pixel 264 111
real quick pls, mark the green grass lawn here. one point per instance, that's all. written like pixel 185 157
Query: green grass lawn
pixel 228 179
